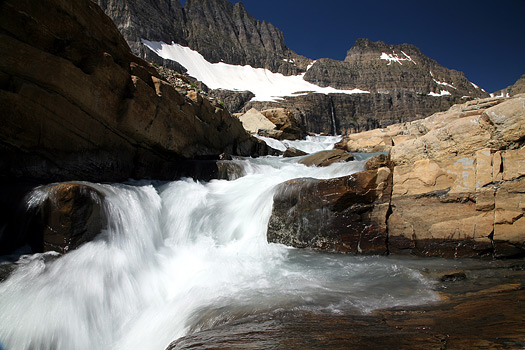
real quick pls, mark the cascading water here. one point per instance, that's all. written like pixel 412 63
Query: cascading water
pixel 183 256
pixel 332 114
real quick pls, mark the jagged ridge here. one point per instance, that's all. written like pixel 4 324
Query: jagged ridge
pixel 219 30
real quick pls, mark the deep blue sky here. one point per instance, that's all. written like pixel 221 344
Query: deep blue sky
pixel 484 39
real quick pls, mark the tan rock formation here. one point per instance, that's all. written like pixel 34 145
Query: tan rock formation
pixel 286 122
pixel 253 121
pixel 458 180
pixel 458 190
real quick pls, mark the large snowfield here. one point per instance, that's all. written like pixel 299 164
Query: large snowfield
pixel 266 85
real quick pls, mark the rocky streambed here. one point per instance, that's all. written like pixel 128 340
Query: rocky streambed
pixel 482 307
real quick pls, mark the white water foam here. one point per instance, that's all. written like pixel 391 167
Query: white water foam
pixel 311 144
pixel 184 256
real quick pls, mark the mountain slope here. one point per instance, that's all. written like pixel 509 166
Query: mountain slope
pixel 398 81
pixel 219 30
pixel 517 88
pixel 379 67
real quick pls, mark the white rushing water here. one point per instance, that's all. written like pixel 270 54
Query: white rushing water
pixel 182 256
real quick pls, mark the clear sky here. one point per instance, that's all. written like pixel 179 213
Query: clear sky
pixel 484 39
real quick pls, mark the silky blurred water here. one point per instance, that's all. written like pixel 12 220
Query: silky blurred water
pixel 184 256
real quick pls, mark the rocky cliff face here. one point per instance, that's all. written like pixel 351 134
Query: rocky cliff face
pixel 219 30
pixel 358 112
pixel 379 67
pixel 78 105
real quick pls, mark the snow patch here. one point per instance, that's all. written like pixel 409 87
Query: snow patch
pixel 502 94
pixel 394 57
pixel 442 93
pixel 442 82
pixel 310 65
pixel 266 85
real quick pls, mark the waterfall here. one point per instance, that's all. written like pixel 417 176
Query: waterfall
pixel 332 113
pixel 184 256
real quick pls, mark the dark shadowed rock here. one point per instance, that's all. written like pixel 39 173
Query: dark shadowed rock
pixel 346 214
pixel 108 115
pixel 71 215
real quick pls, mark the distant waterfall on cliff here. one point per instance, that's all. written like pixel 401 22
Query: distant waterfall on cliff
pixel 332 113
pixel 185 256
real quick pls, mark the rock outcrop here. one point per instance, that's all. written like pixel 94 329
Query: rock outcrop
pixel 459 189
pixel 458 186
pixel 78 105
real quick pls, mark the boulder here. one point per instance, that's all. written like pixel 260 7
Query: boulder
pixel 325 158
pixel 285 121
pixel 346 214
pixel 253 121
pixel 71 215
pixel 378 161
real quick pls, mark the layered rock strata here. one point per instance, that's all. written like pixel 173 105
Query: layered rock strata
pixel 457 188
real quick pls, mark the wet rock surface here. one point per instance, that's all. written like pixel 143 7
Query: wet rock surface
pixel 345 214
pixel 484 311
pixel 71 215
